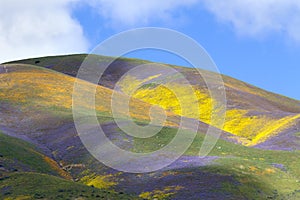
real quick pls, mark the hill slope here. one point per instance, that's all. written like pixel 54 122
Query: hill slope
pixel 26 173
pixel 252 114
pixel 36 107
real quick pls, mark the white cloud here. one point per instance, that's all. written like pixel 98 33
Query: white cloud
pixel 36 28
pixel 124 13
pixel 259 17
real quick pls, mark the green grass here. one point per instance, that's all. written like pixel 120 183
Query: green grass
pixel 41 186
pixel 18 155
pixel 156 142
pixel 254 169
pixel 25 174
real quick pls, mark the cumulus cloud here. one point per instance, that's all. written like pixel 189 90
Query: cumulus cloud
pixel 256 17
pixel 124 13
pixel 37 28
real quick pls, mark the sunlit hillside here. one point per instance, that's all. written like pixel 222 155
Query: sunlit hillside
pixel 252 113
pixel 43 89
pixel 36 107
pixel 254 123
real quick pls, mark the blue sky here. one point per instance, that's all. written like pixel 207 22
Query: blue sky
pixel 251 40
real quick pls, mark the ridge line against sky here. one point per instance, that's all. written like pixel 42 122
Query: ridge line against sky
pixel 255 41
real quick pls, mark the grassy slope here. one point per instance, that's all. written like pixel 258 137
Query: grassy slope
pixel 43 89
pixel 254 171
pixel 17 155
pixel 41 186
pixel 26 173
pixel 252 113
pixel 260 173
pixel 39 101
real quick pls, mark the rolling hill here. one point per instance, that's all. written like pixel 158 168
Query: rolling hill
pixel 253 114
pixel 36 108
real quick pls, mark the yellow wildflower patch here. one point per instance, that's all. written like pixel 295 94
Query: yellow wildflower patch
pixel 198 104
pixel 161 194
pixel 253 168
pixel 102 182
pixel 269 171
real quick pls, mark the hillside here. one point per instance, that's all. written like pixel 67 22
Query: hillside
pixel 26 173
pixel 36 107
pixel 253 114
